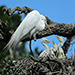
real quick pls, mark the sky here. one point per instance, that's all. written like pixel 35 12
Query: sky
pixel 60 11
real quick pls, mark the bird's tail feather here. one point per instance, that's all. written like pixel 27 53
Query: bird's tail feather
pixel 12 43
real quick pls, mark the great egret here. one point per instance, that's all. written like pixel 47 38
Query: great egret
pixel 45 52
pixel 60 52
pixel 32 23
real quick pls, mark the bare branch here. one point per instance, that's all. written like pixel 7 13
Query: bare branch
pixel 67 44
pixel 6 30
pixel 50 59
pixel 30 48
pixel 62 29
pixel 21 10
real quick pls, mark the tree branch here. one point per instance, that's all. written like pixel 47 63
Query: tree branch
pixel 5 32
pixel 62 29
pixel 67 43
pixel 21 10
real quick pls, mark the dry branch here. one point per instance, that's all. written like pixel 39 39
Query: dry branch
pixel 36 66
pixel 21 10
pixel 7 32
pixel 62 29
pixel 49 59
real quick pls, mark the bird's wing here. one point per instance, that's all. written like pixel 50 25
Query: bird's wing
pixel 30 23
pixel 43 54
pixel 24 28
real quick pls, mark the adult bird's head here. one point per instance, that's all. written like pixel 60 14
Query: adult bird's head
pixel 45 20
pixel 44 40
pixel 60 39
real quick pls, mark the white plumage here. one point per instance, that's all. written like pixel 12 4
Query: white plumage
pixel 60 52
pixel 45 52
pixel 32 22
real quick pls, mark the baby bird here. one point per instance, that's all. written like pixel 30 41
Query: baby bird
pixel 45 52
pixel 60 52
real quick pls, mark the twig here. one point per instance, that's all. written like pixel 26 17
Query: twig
pixel 51 73
pixel 37 59
pixel 67 43
pixel 21 10
pixel 59 62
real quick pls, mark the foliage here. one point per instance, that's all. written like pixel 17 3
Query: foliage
pixel 7 68
pixel 12 21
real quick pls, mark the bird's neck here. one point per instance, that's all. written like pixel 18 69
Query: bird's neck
pixel 45 46
pixel 61 43
pixel 55 48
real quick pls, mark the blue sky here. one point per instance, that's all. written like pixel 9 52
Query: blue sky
pixel 61 11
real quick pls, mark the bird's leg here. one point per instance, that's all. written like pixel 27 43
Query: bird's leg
pixel 31 52
pixel 34 35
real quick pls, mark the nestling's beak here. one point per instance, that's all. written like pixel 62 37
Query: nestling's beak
pixel 58 37
pixel 48 27
pixel 47 41
pixel 53 42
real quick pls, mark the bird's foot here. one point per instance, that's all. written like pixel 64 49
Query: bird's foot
pixel 34 36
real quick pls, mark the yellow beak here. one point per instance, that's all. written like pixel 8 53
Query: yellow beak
pixel 48 27
pixel 47 41
pixel 53 42
pixel 58 37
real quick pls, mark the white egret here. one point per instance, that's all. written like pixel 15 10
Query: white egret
pixel 60 52
pixel 32 23
pixel 45 52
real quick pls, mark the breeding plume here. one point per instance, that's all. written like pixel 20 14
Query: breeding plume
pixel 45 52
pixel 32 23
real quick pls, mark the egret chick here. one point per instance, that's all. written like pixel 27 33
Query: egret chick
pixel 60 52
pixel 32 23
pixel 60 39
pixel 51 53
pixel 54 46
pixel 45 52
